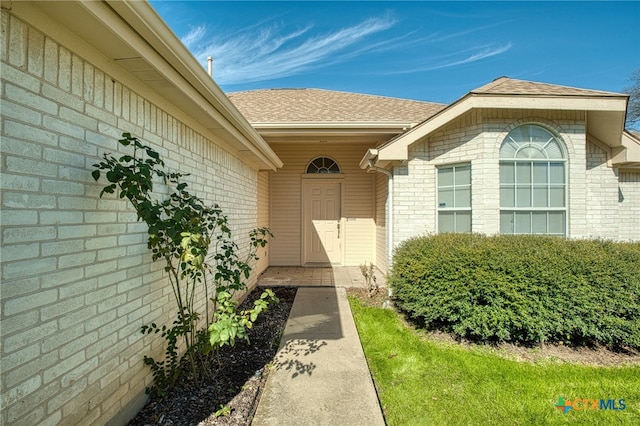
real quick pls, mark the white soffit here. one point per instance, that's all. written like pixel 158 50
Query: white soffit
pixel 130 34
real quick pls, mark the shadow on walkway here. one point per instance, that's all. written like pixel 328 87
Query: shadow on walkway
pixel 320 375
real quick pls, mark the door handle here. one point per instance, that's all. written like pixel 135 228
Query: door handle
pixel 338 230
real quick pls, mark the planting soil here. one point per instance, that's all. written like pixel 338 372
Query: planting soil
pixel 230 393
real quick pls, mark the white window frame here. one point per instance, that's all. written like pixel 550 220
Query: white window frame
pixel 327 167
pixel 531 185
pixel 441 208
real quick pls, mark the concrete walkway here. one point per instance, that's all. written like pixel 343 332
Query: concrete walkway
pixel 320 376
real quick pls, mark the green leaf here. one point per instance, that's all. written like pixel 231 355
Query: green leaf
pixel 151 153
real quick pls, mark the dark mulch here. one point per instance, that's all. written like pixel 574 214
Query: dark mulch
pixel 236 382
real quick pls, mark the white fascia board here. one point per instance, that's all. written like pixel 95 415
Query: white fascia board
pixel 629 154
pixel 397 149
pixel 372 132
pixel 140 27
pixel 370 156
pixel 567 103
pixel 332 125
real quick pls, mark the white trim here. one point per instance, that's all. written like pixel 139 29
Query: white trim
pixel 515 160
pixel 328 176
pixel 397 149
pixel 469 209
pixel 133 29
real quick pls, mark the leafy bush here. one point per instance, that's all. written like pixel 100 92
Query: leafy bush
pixel 194 241
pixel 522 289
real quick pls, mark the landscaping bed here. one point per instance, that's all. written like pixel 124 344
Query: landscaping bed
pixel 234 383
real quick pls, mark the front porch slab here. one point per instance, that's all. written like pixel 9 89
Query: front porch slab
pixel 336 276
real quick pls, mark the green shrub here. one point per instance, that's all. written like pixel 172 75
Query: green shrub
pixel 523 289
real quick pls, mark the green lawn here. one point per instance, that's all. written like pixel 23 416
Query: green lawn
pixel 427 383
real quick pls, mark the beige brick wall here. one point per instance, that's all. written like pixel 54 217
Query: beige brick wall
pixel 601 194
pixel 629 206
pixel 594 209
pixel 263 217
pixel 415 184
pixel 77 277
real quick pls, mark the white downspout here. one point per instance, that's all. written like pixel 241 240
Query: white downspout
pixel 389 210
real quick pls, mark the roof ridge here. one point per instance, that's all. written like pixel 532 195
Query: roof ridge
pixel 508 85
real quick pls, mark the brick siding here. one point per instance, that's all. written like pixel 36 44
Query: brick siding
pixel 77 277
pixel 601 203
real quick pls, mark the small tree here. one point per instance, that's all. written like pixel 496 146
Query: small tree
pixel 633 110
pixel 182 231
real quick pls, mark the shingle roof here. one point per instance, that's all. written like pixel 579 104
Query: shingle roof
pixel 510 86
pixel 316 105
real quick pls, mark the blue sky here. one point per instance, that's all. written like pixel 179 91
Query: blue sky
pixel 423 50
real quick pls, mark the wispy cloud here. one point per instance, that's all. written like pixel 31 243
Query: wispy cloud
pixel 195 35
pixel 461 57
pixel 270 52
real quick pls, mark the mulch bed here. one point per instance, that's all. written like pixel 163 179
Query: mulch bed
pixel 234 383
pixel 237 382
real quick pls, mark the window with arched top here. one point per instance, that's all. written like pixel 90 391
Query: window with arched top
pixel 533 182
pixel 323 165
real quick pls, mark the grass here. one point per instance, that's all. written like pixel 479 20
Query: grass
pixel 421 382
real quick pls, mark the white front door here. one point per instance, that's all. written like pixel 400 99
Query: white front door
pixel 321 222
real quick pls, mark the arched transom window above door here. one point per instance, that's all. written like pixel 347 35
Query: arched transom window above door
pixel 323 165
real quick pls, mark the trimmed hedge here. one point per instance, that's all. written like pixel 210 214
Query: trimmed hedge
pixel 523 289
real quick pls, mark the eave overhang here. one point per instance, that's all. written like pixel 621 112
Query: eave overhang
pixel 132 35
pixel 627 156
pixel 605 117
pixel 344 132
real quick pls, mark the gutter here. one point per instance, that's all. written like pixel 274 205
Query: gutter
pixel 357 125
pixel 143 19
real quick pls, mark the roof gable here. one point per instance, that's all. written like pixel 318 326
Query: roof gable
pixel 605 111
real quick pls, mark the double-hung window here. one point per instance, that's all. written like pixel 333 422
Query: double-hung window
pixel 454 198
pixel 533 189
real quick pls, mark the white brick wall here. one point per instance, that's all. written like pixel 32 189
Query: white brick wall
pixel 601 194
pixel 77 278
pixel 629 206
pixel 594 209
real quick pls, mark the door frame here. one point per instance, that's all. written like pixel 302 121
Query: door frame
pixel 307 180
